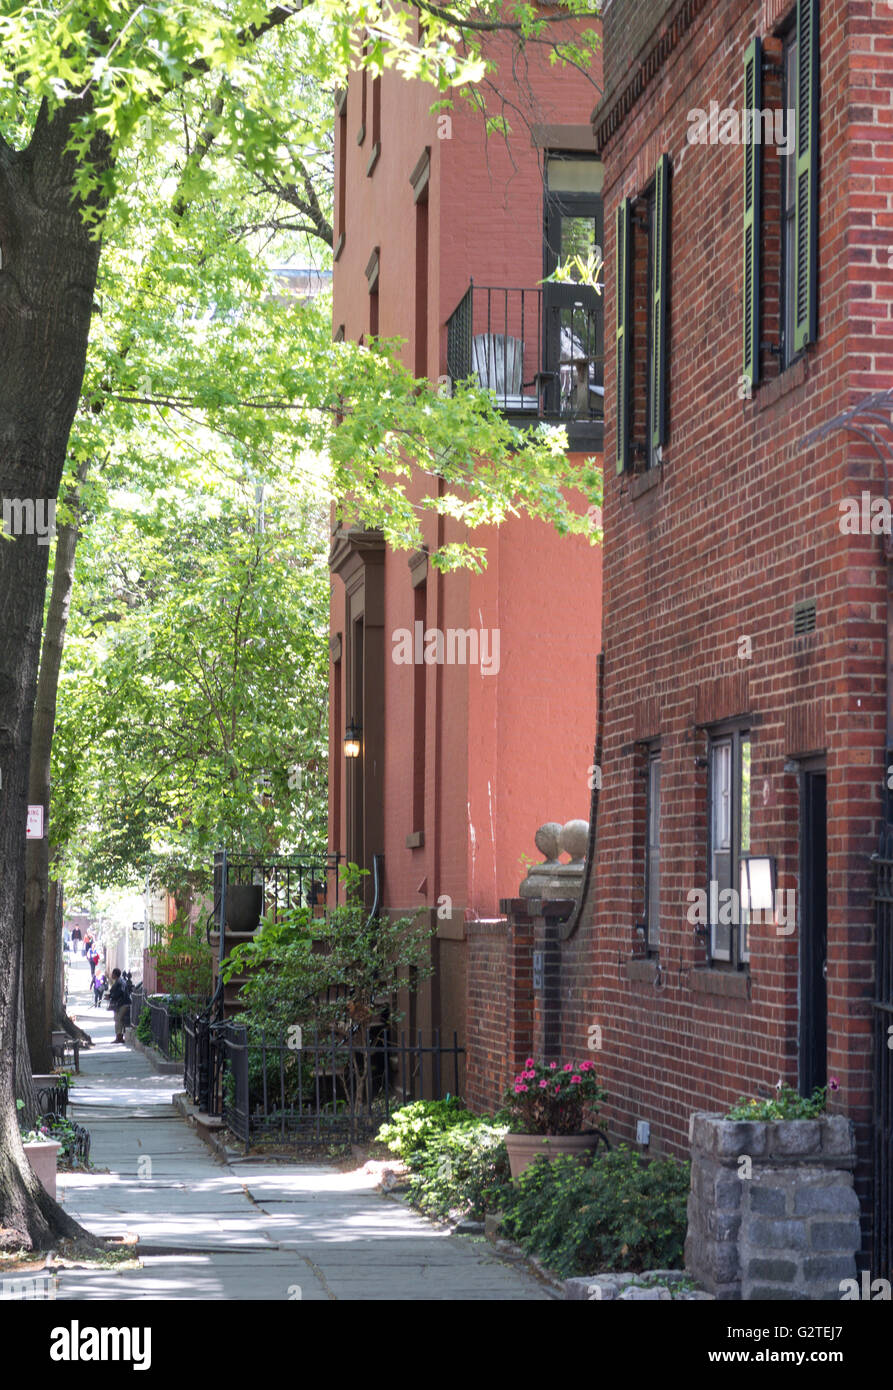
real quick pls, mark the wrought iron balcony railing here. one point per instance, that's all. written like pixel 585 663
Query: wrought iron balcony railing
pixel 539 351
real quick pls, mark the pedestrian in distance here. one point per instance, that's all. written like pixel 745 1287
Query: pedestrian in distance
pixel 98 990
pixel 119 1003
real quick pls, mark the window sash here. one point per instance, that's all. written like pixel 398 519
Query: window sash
pixel 652 855
pixel 729 823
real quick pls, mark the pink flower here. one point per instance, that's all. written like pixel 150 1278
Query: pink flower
pixel 557 1089
pixel 568 1066
pixel 543 1083
pixel 519 1089
pixel 833 1083
pixel 586 1066
pixel 552 1066
pixel 575 1080
pixel 530 1062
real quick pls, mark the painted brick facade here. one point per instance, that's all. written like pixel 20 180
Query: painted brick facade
pixel 505 752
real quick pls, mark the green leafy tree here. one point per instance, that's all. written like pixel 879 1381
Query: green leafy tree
pixel 90 93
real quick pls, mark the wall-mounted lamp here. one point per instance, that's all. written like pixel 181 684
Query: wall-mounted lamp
pixel 757 883
pixel 352 740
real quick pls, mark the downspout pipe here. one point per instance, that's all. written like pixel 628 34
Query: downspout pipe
pixel 568 928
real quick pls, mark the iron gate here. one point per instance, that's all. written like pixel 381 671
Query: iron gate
pixel 883 1062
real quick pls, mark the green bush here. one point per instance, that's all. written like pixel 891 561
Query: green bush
pixel 412 1127
pixel 786 1104
pixel 144 1027
pixel 462 1170
pixel 620 1211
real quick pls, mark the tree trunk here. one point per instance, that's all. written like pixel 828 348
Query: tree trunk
pixel 48 276
pixel 24 1085
pixel 40 923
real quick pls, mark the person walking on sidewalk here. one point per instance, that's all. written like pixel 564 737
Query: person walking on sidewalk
pixel 119 1001
pixel 98 990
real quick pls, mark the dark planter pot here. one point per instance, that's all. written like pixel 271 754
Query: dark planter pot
pixel 244 904
pixel 524 1148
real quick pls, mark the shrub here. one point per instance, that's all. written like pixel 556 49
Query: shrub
pixel 144 1026
pixel 462 1170
pixel 620 1211
pixel 786 1104
pixel 412 1127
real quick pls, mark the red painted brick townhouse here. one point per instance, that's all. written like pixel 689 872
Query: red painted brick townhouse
pixel 746 716
pixel 442 239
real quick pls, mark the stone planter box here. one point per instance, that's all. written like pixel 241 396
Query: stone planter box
pixel 42 1157
pixel 524 1148
pixel 772 1212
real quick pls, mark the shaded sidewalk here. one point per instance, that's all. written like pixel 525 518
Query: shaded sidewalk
pixel 246 1229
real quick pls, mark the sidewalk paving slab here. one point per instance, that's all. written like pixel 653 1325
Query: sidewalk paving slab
pixel 251 1230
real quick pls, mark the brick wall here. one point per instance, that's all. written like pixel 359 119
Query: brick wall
pixel 500 1006
pixel 743 523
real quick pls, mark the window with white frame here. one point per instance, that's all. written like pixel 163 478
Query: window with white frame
pixel 729 825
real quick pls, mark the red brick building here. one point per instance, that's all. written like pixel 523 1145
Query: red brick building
pixel 749 300
pixel 460 760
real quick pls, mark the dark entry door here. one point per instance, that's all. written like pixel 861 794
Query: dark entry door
pixel 813 930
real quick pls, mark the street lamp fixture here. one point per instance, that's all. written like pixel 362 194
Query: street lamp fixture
pixel 352 740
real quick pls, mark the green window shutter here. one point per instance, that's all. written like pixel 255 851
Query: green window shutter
pixel 807 119
pixel 659 289
pixel 622 284
pixel 753 214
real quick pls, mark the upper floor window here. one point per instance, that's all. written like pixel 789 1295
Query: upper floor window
pixel 641 280
pixel 573 316
pixel 780 275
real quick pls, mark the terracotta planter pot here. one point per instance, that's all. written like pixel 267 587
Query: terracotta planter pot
pixel 524 1148
pixel 42 1157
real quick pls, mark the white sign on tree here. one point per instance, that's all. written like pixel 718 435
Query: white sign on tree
pixel 34 829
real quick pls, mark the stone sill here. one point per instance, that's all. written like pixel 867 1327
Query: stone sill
pixel 640 483
pixel 726 983
pixel 643 968
pixel 767 393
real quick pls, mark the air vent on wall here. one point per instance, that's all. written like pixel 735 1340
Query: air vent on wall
pixel 804 617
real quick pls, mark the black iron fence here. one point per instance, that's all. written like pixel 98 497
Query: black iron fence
pixel 539 351
pixel 313 1087
pixel 166 1019
pixel 272 885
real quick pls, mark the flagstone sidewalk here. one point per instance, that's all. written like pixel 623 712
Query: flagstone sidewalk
pixel 246 1229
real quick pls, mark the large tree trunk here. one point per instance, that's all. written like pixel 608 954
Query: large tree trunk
pixel 47 281
pixel 24 1084
pixel 40 923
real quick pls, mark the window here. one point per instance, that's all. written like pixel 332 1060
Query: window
pixel 652 854
pixel 789 208
pixel 781 255
pixel 729 825
pixel 573 316
pixel 641 270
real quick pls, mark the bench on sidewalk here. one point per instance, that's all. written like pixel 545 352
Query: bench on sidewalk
pixel 62 1044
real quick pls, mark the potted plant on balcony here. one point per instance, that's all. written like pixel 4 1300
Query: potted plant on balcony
pixel 548 1102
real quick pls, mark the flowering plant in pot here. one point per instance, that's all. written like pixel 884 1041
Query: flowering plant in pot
pixel 547 1102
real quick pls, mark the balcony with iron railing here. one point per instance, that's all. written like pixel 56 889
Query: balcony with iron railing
pixel 540 352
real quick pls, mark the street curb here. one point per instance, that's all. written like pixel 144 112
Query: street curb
pixel 196 1120
pixel 152 1056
